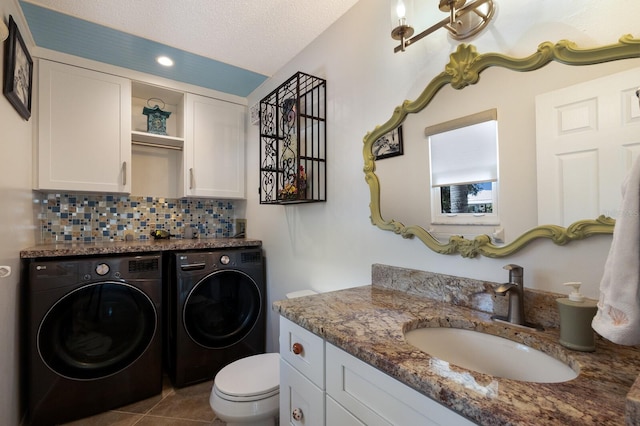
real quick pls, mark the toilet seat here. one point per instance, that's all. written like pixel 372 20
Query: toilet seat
pixel 249 379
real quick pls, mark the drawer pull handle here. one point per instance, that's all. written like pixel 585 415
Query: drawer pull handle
pixel 297 348
pixel 297 414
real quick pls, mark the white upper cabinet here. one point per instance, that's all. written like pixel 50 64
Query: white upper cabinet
pixel 214 148
pixel 92 137
pixel 84 130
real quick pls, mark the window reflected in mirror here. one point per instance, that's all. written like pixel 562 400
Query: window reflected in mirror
pixel 463 156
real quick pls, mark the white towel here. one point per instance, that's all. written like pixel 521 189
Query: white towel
pixel 618 316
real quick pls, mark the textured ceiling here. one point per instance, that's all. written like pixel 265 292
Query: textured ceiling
pixel 259 36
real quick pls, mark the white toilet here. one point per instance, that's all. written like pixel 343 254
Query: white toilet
pixel 247 391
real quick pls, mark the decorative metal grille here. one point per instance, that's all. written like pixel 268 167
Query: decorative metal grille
pixel 293 142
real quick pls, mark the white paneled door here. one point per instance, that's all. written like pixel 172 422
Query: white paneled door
pixel 588 136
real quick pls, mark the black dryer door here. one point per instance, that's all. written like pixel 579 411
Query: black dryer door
pixel 97 330
pixel 222 309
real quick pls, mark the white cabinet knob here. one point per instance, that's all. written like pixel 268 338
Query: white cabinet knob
pixel 297 414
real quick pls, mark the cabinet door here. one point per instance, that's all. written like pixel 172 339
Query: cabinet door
pixel 214 148
pixel 337 415
pixel 377 399
pixel 84 126
pixel 301 402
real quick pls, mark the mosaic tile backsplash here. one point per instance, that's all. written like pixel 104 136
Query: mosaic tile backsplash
pixel 98 218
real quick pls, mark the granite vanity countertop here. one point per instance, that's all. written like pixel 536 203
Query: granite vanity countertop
pixel 369 322
pixel 119 247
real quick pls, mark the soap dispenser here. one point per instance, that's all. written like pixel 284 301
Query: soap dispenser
pixel 576 314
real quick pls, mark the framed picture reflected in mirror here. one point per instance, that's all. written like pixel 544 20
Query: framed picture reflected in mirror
pixel 389 145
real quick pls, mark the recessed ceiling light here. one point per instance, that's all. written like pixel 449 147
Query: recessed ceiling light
pixel 165 60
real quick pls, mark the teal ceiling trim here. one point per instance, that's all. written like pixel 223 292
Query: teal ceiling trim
pixel 63 33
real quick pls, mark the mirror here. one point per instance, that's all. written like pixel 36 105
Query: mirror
pixel 401 203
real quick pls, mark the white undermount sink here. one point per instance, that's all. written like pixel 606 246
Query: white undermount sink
pixel 490 354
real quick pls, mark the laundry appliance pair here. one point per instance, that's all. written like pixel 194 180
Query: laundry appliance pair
pixel 96 328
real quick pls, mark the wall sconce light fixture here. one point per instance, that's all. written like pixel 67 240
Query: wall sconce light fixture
pixel 464 21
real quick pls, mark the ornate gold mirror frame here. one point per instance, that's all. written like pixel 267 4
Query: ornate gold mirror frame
pixel 464 69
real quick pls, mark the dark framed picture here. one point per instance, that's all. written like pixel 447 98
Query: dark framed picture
pixel 389 145
pixel 18 72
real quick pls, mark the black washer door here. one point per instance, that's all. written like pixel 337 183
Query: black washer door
pixel 97 330
pixel 222 309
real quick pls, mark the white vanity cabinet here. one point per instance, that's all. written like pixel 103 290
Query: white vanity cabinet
pixel 214 148
pixel 83 135
pixel 354 392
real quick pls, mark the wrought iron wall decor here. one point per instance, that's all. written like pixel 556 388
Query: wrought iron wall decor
pixel 293 142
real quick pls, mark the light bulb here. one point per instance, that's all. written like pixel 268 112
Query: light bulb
pixel 401 11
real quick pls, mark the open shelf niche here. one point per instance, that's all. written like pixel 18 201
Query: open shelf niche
pixel 157 160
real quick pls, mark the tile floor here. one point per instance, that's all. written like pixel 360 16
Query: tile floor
pixel 187 406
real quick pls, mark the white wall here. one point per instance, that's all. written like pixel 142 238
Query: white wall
pixel 332 245
pixel 16 231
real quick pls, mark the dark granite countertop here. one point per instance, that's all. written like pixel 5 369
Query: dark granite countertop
pixel 120 247
pixel 369 322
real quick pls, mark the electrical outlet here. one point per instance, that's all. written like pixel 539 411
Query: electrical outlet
pixel 129 235
pixel 240 228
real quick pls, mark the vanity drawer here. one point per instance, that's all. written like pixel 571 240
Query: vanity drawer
pixel 303 350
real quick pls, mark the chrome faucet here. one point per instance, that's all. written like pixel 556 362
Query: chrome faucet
pixel 515 289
